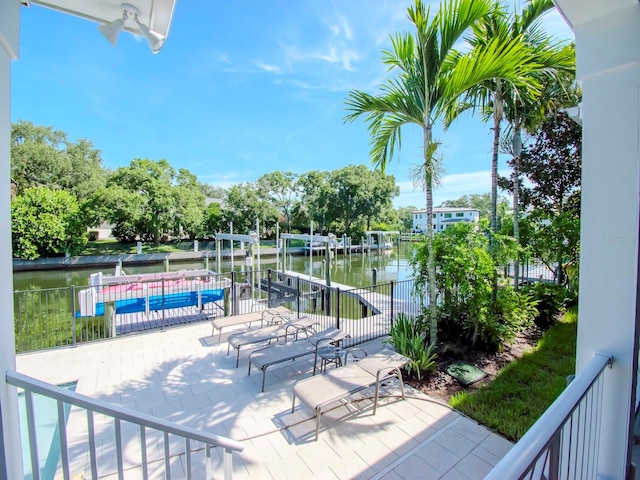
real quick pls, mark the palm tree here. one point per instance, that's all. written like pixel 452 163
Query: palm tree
pixel 431 76
pixel 529 113
pixel 492 95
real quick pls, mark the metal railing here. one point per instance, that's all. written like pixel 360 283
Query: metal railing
pixel 69 316
pixel 564 442
pixel 190 440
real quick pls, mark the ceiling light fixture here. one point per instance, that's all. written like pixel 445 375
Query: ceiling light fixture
pixel 131 14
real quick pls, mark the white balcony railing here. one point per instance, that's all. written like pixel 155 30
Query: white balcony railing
pixel 190 439
pixel 563 443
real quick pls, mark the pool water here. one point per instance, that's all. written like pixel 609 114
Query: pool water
pixel 47 433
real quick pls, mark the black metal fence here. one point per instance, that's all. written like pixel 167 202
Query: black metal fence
pixel 72 315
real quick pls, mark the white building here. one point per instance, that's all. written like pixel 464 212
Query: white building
pixel 443 217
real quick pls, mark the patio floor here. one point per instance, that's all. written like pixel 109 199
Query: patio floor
pixel 181 375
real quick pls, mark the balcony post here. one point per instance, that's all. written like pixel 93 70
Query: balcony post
pixel 11 460
pixel 608 62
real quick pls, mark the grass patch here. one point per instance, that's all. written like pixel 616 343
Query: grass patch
pixel 113 247
pixel 524 389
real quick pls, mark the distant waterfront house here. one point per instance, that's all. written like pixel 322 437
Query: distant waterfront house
pixel 443 217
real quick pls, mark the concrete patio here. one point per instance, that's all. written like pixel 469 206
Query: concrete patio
pixel 182 376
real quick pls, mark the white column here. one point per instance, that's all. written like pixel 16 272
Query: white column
pixel 609 68
pixel 9 44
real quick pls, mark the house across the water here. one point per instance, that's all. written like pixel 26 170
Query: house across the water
pixel 443 217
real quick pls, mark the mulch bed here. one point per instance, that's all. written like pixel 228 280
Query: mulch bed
pixel 440 384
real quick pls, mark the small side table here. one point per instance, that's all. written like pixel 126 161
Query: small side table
pixel 331 354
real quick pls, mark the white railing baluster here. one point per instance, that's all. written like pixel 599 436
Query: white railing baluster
pixel 187 457
pixel 119 460
pixel 33 440
pixel 143 452
pixel 62 429
pixel 208 470
pixel 228 464
pixel 167 457
pixel 92 445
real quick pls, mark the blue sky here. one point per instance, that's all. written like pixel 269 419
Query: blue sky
pixel 240 89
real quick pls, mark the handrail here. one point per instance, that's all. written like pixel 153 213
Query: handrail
pixel 527 451
pixel 96 405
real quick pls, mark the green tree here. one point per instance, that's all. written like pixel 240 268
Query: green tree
pixel 42 156
pixel 405 217
pixel 46 222
pixel 213 219
pixel 358 193
pixel 189 205
pixel 316 195
pixel 140 201
pixel 243 206
pixel 552 167
pixel 282 190
pixel 432 74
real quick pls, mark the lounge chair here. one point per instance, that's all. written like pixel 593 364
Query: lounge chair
pixel 284 330
pixel 267 357
pixel 247 318
pixel 321 391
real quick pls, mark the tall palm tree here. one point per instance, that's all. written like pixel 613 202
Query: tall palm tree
pixel 528 113
pixel 492 94
pixel 431 76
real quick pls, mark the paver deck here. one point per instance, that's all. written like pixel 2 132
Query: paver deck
pixel 183 375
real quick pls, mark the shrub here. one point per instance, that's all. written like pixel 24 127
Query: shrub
pixel 409 338
pixel 46 222
pixel 93 235
pixel 551 300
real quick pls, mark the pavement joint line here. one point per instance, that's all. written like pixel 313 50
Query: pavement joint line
pixel 404 457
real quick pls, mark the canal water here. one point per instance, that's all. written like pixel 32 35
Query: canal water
pixel 355 269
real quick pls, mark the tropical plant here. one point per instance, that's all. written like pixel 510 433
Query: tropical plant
pixel 432 74
pixel 465 271
pixel 409 338
pixel 551 300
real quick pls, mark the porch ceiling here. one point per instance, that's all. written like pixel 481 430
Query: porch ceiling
pixel 154 13
pixel 576 12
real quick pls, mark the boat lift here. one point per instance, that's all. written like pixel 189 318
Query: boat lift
pixel 328 240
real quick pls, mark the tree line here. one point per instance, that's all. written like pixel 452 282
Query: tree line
pixel 60 189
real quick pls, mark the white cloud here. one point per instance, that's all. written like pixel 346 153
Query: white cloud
pixel 268 68
pixel 346 28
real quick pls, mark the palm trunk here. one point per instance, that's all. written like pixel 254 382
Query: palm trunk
pixel 497 119
pixel 431 269
pixel 517 150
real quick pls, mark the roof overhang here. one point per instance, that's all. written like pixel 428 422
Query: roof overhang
pixel 156 14
pixel 577 12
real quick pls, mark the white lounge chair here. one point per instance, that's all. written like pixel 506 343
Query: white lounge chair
pixel 247 318
pixel 286 330
pixel 321 391
pixel 269 356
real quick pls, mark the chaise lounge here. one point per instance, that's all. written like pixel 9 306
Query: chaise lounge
pixel 247 318
pixel 269 356
pixel 284 330
pixel 318 393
